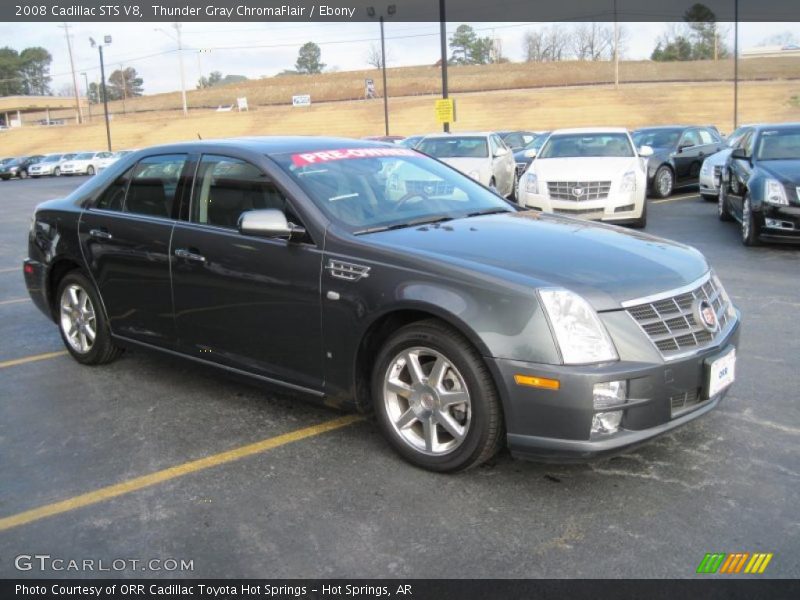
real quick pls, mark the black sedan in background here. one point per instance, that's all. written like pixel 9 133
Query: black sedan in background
pixel 18 167
pixel 524 156
pixel 375 278
pixel 678 155
pixel 761 184
pixel 516 140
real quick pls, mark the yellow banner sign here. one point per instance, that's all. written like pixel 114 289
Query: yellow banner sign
pixel 445 110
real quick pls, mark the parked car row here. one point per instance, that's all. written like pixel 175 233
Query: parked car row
pixel 57 164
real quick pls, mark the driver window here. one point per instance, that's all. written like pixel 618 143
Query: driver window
pixel 226 187
pixel 747 144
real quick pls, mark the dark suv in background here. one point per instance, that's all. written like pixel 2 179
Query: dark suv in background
pixel 678 155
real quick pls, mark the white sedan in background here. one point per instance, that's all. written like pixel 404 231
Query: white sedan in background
pixel 84 163
pixel 482 156
pixel 594 174
pixel 710 172
pixel 115 156
pixel 49 165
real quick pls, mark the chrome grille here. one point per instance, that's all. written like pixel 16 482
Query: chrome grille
pixel 671 325
pixel 585 213
pixel 578 191
pixel 681 402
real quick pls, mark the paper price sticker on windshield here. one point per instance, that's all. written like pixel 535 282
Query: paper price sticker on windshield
pixel 313 158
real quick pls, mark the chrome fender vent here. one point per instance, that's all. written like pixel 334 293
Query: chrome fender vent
pixel 347 271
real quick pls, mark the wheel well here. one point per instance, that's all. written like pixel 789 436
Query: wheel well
pixel 371 343
pixel 57 273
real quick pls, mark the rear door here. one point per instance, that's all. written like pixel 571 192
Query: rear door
pixel 247 302
pixel 125 240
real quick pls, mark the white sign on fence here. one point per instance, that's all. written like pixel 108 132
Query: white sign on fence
pixel 242 104
pixel 302 100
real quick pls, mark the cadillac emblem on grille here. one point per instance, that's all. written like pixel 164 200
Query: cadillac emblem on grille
pixel 577 192
pixel 705 314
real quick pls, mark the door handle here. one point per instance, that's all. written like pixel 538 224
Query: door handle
pixel 188 255
pixel 100 234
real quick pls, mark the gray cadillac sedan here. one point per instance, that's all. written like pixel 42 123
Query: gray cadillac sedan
pixel 373 278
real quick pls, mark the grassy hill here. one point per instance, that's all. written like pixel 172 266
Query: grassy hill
pixel 521 95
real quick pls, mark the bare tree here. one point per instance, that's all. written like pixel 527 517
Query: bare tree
pixel 592 41
pixel 547 44
pixel 374 57
pixel 534 46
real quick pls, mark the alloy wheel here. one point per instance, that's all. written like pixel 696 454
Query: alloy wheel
pixel 665 182
pixel 746 215
pixel 427 401
pixel 78 319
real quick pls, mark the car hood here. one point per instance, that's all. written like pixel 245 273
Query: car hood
pixel 607 265
pixel 787 171
pixel 583 169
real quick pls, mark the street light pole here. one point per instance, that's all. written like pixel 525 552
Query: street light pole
pixel 390 10
pixel 178 39
pixel 735 64
pixel 88 99
pixel 106 40
pixel 443 40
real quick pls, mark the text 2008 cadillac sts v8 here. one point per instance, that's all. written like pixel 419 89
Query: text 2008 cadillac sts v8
pixel 374 277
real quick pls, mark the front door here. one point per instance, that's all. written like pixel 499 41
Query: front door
pixel 247 302
pixel 125 239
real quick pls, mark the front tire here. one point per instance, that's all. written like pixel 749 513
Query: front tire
pixel 57 172
pixel 90 170
pixel 749 225
pixel 663 182
pixel 82 323
pixel 434 398
pixel 23 174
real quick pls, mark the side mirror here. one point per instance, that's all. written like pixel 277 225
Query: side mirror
pixel 740 154
pixel 501 152
pixel 530 153
pixel 645 151
pixel 268 223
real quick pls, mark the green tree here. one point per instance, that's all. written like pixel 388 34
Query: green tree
pixel 34 67
pixel 10 78
pixel 462 43
pixel 700 38
pixel 309 59
pixel 216 78
pixel 124 83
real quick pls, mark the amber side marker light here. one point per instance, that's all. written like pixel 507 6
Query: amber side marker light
pixel 539 382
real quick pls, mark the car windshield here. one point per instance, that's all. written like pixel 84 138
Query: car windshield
pixel 52 158
pixel 68 156
pixel 779 144
pixel 410 142
pixel 537 142
pixel 455 147
pixel 657 138
pixel 587 145
pixel 84 156
pixel 372 189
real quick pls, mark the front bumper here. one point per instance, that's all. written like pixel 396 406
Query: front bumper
pixel 617 206
pixel 709 182
pixel 555 425
pixel 779 223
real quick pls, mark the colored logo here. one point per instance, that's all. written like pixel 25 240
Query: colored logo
pixel 705 313
pixel 735 563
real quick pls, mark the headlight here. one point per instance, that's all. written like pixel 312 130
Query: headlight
pixel 580 335
pixel 531 183
pixel 731 311
pixel 628 183
pixel 476 175
pixel 775 193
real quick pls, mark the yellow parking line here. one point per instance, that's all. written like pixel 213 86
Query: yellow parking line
pixel 14 301
pixel 675 199
pixel 29 359
pixel 138 483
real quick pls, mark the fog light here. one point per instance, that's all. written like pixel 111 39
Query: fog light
pixel 610 393
pixel 607 422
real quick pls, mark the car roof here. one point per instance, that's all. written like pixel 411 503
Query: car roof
pixel 461 134
pixel 275 144
pixel 590 130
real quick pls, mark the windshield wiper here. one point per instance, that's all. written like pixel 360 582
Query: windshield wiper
pixel 488 211
pixel 412 223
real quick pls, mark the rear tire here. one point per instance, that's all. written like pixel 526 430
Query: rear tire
pixel 56 172
pixel 23 174
pixel 90 170
pixel 82 322
pixel 663 182
pixel 434 398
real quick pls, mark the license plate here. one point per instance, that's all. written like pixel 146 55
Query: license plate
pixel 721 373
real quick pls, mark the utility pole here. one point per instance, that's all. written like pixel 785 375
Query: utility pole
pixel 106 40
pixel 177 27
pixel 616 48
pixel 65 27
pixel 390 11
pixel 124 86
pixel 443 40
pixel 88 100
pixel 735 64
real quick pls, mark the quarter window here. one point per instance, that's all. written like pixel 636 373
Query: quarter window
pixel 706 137
pixel 226 187
pixel 113 197
pixel 690 138
pixel 152 190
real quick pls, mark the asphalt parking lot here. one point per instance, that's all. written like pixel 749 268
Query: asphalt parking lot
pixel 340 503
